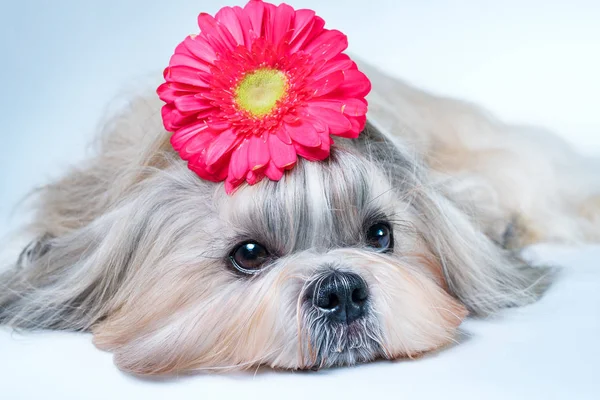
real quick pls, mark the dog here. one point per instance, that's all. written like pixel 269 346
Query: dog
pixel 380 251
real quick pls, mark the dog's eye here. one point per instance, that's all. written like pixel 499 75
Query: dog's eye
pixel 249 257
pixel 380 236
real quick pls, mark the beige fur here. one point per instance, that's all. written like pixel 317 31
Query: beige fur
pixel 133 246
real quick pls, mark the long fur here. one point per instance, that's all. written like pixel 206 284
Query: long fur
pixel 133 246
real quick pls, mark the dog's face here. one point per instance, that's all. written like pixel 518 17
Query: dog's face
pixel 329 266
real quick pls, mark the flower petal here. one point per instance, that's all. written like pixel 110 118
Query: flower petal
pixel 246 26
pixel 281 21
pixel 254 177
pixel 327 45
pixel 303 133
pixel 216 34
pixel 350 107
pixel 256 10
pixel 341 62
pixel 238 166
pixel 358 125
pixel 314 28
pixel 303 21
pixel 336 121
pixel 191 103
pixel 258 153
pixel 173 119
pixel 232 184
pixel 282 155
pixel 273 172
pixel 189 61
pixel 181 138
pixel 198 46
pixel 229 19
pixel 197 144
pixel 311 153
pixel 327 84
pixel 356 84
pixel 221 146
pixel 283 136
pixel 188 76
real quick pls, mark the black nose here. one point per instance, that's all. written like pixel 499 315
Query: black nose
pixel 343 296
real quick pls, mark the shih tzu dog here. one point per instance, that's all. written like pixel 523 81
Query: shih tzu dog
pixel 379 250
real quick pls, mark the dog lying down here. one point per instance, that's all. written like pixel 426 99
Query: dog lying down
pixel 380 251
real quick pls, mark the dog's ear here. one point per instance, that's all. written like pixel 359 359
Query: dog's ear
pixel 68 282
pixel 482 275
pixel 88 227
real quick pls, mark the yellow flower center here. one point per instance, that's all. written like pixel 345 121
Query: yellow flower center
pixel 259 91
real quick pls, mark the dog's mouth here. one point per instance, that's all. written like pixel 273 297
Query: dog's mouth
pixel 339 344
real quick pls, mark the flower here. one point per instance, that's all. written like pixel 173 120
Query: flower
pixel 258 87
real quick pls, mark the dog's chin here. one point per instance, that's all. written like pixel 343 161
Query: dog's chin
pixel 341 344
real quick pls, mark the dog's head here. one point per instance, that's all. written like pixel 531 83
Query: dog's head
pixel 328 266
pixel 342 261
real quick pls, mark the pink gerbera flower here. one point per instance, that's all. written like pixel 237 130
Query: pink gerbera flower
pixel 258 87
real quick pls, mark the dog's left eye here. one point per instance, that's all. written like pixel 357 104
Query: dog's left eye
pixel 249 257
pixel 380 236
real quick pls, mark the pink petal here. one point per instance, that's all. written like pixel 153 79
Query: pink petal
pixel 221 146
pixel 311 153
pixel 341 62
pixel 327 84
pixel 356 84
pixel 238 166
pixel 216 34
pixel 358 125
pixel 188 76
pixel 315 28
pixel 269 19
pixel 258 153
pixel 197 144
pixel 214 173
pixel 218 125
pixel 351 106
pixel 198 46
pixel 281 21
pixel 303 133
pixel 282 155
pixel 246 26
pixel 200 169
pixel 336 121
pixel 181 138
pixel 232 184
pixel 189 61
pixel 229 19
pixel 173 119
pixel 283 136
pixel 191 103
pixel 273 172
pixel 327 45
pixel 255 9
pixel 355 107
pixel 254 177
pixel 168 91
pixel 303 21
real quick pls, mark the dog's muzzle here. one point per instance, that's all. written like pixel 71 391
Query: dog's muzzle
pixel 341 296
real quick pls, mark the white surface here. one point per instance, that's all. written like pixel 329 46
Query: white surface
pixel 528 61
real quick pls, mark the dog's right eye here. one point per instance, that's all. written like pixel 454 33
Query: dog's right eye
pixel 249 257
